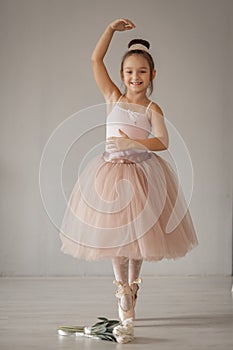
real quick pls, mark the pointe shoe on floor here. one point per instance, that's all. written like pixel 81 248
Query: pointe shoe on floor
pixel 124 290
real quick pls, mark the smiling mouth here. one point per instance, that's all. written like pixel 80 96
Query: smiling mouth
pixel 135 83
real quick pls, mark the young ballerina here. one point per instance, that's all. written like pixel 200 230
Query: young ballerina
pixel 121 204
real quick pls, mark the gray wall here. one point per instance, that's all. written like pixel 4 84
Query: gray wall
pixel 46 77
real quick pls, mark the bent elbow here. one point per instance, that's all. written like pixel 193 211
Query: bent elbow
pixel 165 143
pixel 96 59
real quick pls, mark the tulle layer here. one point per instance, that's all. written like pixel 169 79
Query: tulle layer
pixel 128 206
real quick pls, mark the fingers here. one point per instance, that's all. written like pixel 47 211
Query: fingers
pixel 122 24
pixel 127 21
pixel 111 138
pixel 115 144
pixel 111 146
pixel 128 24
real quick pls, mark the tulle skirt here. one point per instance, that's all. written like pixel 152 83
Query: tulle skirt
pixel 129 204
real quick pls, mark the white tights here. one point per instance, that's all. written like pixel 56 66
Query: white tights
pixel 126 271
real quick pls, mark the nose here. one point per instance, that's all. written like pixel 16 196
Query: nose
pixel 135 75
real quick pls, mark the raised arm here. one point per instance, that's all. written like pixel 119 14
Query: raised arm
pixel 109 90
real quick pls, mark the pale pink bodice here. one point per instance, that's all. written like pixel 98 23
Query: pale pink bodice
pixel 136 125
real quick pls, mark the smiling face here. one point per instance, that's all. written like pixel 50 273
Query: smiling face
pixel 136 73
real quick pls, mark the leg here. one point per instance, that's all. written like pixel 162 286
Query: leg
pixel 134 269
pixel 124 293
pixel 134 280
pixel 120 266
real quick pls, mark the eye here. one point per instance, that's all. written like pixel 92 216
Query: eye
pixel 143 71
pixel 128 72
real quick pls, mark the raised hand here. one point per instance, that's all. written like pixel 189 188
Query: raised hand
pixel 122 24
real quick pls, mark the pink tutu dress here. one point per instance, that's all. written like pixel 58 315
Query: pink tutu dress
pixel 127 203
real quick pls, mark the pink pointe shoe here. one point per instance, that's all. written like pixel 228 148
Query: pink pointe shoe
pixel 124 289
pixel 134 286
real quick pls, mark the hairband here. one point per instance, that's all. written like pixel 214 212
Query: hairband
pixel 138 47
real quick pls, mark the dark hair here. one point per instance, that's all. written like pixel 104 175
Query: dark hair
pixel 142 53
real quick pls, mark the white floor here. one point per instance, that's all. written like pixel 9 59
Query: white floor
pixel 172 312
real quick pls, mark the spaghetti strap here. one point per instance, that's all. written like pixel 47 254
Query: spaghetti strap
pixel 119 99
pixel 147 108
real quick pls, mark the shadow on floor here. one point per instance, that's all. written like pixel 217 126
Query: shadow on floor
pixel 181 321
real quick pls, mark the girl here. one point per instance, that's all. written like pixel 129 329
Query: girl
pixel 122 202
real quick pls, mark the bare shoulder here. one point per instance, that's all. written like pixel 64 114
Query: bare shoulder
pixel 155 108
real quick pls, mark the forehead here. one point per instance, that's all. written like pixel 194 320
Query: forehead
pixel 135 60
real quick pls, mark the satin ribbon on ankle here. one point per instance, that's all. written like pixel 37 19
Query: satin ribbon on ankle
pixel 137 281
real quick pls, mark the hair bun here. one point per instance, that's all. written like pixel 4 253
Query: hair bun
pixel 139 42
